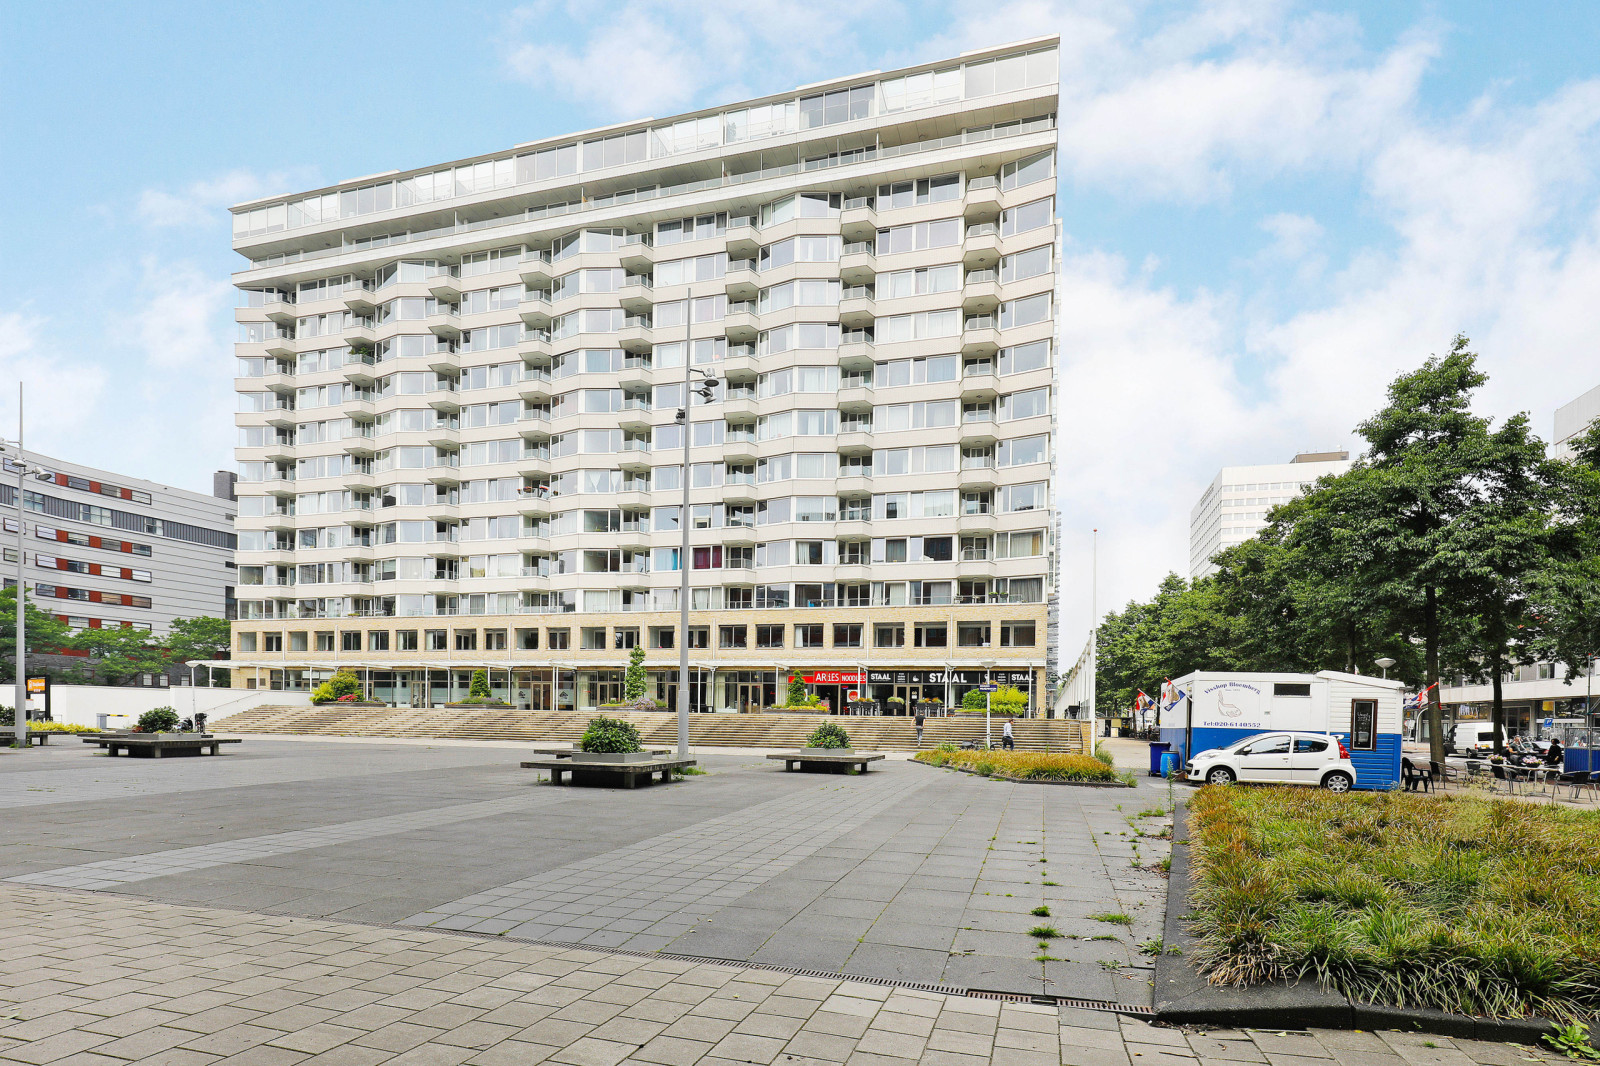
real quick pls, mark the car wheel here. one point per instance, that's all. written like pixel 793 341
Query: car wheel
pixel 1338 781
pixel 1219 775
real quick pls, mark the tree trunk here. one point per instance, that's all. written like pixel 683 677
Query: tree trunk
pixel 1350 645
pixel 1499 713
pixel 1430 670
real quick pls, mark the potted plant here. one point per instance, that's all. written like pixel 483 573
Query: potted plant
pixel 479 693
pixel 610 740
pixel 344 688
pixel 158 720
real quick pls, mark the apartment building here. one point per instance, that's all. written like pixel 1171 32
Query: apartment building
pixel 103 550
pixel 1234 507
pixel 460 394
pixel 1574 418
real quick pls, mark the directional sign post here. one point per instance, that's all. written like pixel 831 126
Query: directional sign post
pixel 988 688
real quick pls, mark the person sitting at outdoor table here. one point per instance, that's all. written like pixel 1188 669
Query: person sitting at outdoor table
pixel 1553 755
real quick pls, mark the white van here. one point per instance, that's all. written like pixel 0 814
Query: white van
pixel 1470 735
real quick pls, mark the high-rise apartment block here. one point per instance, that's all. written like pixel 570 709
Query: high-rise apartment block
pixel 1573 418
pixel 460 444
pixel 1234 507
pixel 105 551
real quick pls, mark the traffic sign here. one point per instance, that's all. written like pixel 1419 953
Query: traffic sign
pixel 989 688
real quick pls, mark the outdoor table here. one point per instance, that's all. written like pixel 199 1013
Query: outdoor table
pixel 628 773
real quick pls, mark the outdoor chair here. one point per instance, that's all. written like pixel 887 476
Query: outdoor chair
pixel 1417 778
pixel 1444 773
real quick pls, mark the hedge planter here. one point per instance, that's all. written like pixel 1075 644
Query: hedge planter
pixel 483 705
pixel 612 758
pixel 352 703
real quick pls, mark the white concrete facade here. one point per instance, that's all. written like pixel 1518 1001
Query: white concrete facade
pixel 459 387
pixel 1573 418
pixel 1234 507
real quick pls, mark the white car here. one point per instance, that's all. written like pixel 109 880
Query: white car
pixel 1277 759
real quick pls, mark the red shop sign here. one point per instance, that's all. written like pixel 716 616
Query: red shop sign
pixel 832 677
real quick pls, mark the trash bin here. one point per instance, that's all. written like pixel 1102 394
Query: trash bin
pixel 1170 763
pixel 1158 748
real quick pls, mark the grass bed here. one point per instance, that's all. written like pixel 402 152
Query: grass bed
pixel 1468 905
pixel 1051 766
pixel 60 727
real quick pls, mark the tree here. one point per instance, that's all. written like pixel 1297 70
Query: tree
pixel 634 681
pixel 45 632
pixel 201 637
pixel 117 654
pixel 342 683
pixel 796 696
pixel 1425 451
pixel 478 689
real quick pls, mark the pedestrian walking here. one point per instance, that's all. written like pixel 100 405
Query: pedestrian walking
pixel 1007 741
pixel 921 717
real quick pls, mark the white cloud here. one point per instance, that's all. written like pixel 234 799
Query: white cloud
pixel 177 321
pixel 206 202
pixel 61 395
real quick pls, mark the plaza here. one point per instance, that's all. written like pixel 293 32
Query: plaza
pixel 358 901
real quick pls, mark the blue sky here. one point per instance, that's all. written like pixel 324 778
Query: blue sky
pixel 1269 207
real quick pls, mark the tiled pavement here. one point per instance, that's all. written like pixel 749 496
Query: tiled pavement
pixel 102 979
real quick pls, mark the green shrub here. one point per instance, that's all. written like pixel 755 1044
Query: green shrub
pixel 828 735
pixel 797 696
pixel 479 689
pixel 1009 700
pixel 1101 753
pixel 610 736
pixel 634 679
pixel 342 683
pixel 1052 766
pixel 158 720
pixel 61 727
pixel 973 700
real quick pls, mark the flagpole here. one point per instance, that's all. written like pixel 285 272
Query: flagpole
pixel 1094 628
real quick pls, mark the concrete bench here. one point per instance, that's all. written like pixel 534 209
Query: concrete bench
pixel 156 744
pixel 565 751
pixel 628 772
pixel 835 760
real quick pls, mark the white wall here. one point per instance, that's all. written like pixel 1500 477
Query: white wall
pixel 83 704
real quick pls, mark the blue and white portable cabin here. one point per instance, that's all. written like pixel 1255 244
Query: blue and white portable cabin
pixel 1363 712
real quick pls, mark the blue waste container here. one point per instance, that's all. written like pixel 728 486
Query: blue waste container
pixel 1170 763
pixel 1158 748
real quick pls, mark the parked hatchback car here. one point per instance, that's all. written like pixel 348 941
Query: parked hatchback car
pixel 1278 759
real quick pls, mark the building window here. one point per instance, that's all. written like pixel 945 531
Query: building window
pixel 466 640
pixel 808 636
pixel 558 639
pixel 1016 634
pixel 350 641
pixel 528 639
pixel 325 641
pixel 972 634
pixel 438 640
pixel 932 635
pixel 378 640
pixel 247 642
pixel 699 638
pixel 272 641
pixel 407 639
pixel 769 636
pixel 297 641
pixel 847 635
pixel 594 638
pixel 888 636
pixel 663 637
pixel 494 640
pixel 625 639
pixel 733 637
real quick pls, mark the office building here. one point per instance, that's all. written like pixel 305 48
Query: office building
pixel 460 388
pixel 1573 419
pixel 1234 508
pixel 103 550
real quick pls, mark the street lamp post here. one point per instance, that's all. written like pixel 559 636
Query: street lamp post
pixel 706 390
pixel 1384 664
pixel 19 717
pixel 988 665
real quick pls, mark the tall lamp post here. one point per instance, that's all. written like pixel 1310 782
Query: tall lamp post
pixel 1384 664
pixel 706 390
pixel 24 469
pixel 988 666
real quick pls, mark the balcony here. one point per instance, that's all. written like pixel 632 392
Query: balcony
pixel 857 263
pixel 981 249
pixel 536 503
pixel 445 287
pixel 856 398
pixel 858 221
pixel 740 449
pixel 743 532
pixel 741 280
pixel 743 239
pixel 983 199
pixel 633 499
pixel 856 351
pixel 635 455
pixel 853 441
pixel 638 253
pixel 535 309
pixel 636 335
pixel 535 269
pixel 534 386
pixel 739 409
pixel 853 485
pixel 740 324
pixel 981 296
pixel 445 325
pixel 979 477
pixel 978 432
pixel 637 374
pixel 980 335
pixel 282 312
pixel 857 309
pixel 636 416
pixel 534 346
pixel 359 300
pixel 980 385
pixel 637 295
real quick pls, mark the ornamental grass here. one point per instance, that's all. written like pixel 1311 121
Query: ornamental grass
pixel 1052 766
pixel 1463 904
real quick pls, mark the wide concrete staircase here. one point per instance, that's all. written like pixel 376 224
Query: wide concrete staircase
pixel 657 730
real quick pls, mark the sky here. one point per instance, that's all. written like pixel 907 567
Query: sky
pixel 1269 208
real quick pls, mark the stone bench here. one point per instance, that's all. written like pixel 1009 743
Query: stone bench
pixel 834 760
pixel 566 751
pixel 156 744
pixel 628 772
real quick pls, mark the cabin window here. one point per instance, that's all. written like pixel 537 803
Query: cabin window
pixel 1288 688
pixel 1364 725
